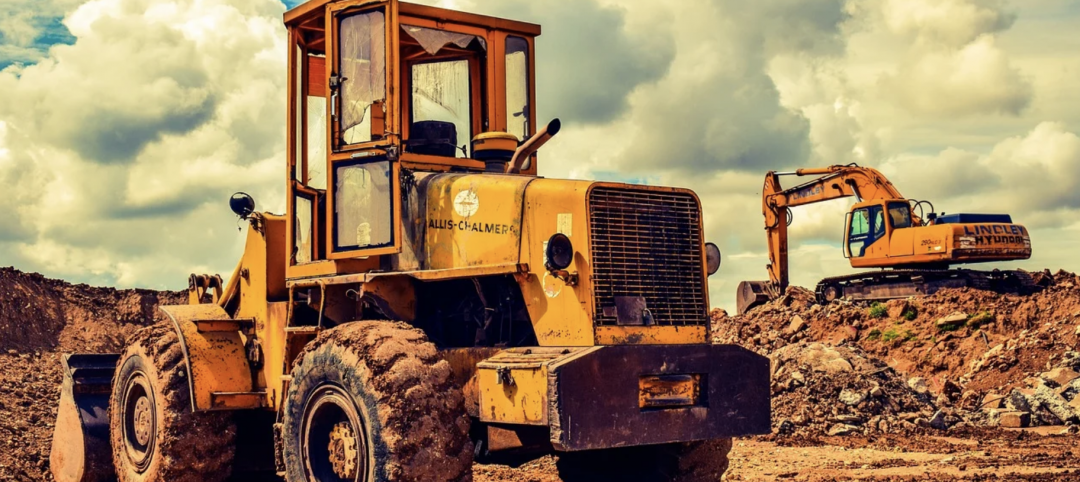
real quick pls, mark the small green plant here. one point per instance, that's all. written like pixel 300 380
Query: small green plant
pixel 909 315
pixel 950 327
pixel 874 334
pixel 878 310
pixel 893 335
pixel 980 318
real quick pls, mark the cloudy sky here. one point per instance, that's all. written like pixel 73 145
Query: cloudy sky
pixel 126 124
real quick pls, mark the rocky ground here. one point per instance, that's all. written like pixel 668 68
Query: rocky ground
pixel 961 385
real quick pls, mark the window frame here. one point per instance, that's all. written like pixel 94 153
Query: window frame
pixel 335 13
pixel 394 246
pixel 480 70
pixel 408 114
pixel 905 205
pixel 530 98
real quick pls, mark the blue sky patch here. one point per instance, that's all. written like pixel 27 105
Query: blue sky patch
pixel 53 32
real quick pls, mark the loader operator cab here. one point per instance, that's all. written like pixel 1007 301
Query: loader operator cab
pixel 382 88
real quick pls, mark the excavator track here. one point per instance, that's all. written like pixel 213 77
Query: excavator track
pixel 902 283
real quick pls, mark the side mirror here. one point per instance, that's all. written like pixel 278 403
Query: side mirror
pixel 242 204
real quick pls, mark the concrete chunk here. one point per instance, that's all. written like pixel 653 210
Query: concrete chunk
pixel 1060 376
pixel 1014 419
pixel 992 401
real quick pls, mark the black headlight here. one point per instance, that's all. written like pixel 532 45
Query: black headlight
pixel 560 252
pixel 712 258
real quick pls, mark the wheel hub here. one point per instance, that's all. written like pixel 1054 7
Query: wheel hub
pixel 139 418
pixel 343 451
pixel 144 423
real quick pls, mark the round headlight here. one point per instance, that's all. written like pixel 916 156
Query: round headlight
pixel 712 258
pixel 560 252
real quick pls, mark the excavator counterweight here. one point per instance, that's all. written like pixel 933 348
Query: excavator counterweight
pixel 913 248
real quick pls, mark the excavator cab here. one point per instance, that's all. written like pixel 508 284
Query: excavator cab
pixel 870 227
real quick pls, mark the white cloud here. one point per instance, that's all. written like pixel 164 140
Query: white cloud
pixel 130 141
pixel 945 22
pixel 976 79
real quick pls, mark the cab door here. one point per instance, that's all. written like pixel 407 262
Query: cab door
pixel 867 233
pixel 363 191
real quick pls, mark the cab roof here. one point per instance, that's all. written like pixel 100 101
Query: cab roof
pixel 314 8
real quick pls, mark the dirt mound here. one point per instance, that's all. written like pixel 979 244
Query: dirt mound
pixel 37 313
pixel 41 318
pixel 966 344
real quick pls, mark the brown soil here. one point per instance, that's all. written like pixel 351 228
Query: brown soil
pixel 40 319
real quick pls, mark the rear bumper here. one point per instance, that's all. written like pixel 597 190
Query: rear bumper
pixel 595 400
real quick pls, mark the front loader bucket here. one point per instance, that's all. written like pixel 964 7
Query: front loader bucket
pixel 750 294
pixel 81 451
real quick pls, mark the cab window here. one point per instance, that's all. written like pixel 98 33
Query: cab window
pixel 860 230
pixel 363 205
pixel 900 215
pixel 440 93
pixel 362 77
pixel 517 86
pixel 442 68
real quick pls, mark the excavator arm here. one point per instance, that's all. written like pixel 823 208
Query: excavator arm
pixel 835 182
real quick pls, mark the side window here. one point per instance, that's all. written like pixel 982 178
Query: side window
pixel 859 233
pixel 303 231
pixel 517 86
pixel 900 215
pixel 363 205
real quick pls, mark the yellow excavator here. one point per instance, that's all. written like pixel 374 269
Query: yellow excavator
pixel 426 298
pixel 887 230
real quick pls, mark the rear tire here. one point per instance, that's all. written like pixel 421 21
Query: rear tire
pixel 371 401
pixel 687 462
pixel 155 435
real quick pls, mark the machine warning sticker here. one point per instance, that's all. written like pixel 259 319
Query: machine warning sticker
pixel 565 224
pixel 466 203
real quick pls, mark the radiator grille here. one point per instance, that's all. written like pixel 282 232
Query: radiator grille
pixel 647 244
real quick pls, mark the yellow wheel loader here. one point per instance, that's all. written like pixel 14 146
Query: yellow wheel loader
pixel 426 299
pixel 884 229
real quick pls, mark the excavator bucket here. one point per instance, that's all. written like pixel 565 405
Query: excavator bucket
pixel 750 294
pixel 81 451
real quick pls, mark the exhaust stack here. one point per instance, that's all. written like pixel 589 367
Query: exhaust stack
pixel 522 159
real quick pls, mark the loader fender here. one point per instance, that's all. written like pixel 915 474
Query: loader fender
pixel 217 365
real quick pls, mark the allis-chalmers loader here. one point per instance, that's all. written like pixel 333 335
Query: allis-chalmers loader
pixel 426 298
pixel 886 230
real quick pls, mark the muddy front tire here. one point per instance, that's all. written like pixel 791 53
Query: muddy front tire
pixel 371 401
pixel 689 462
pixel 156 437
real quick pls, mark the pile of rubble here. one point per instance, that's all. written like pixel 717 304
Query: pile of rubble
pixel 1051 398
pixel 978 356
pixel 821 389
